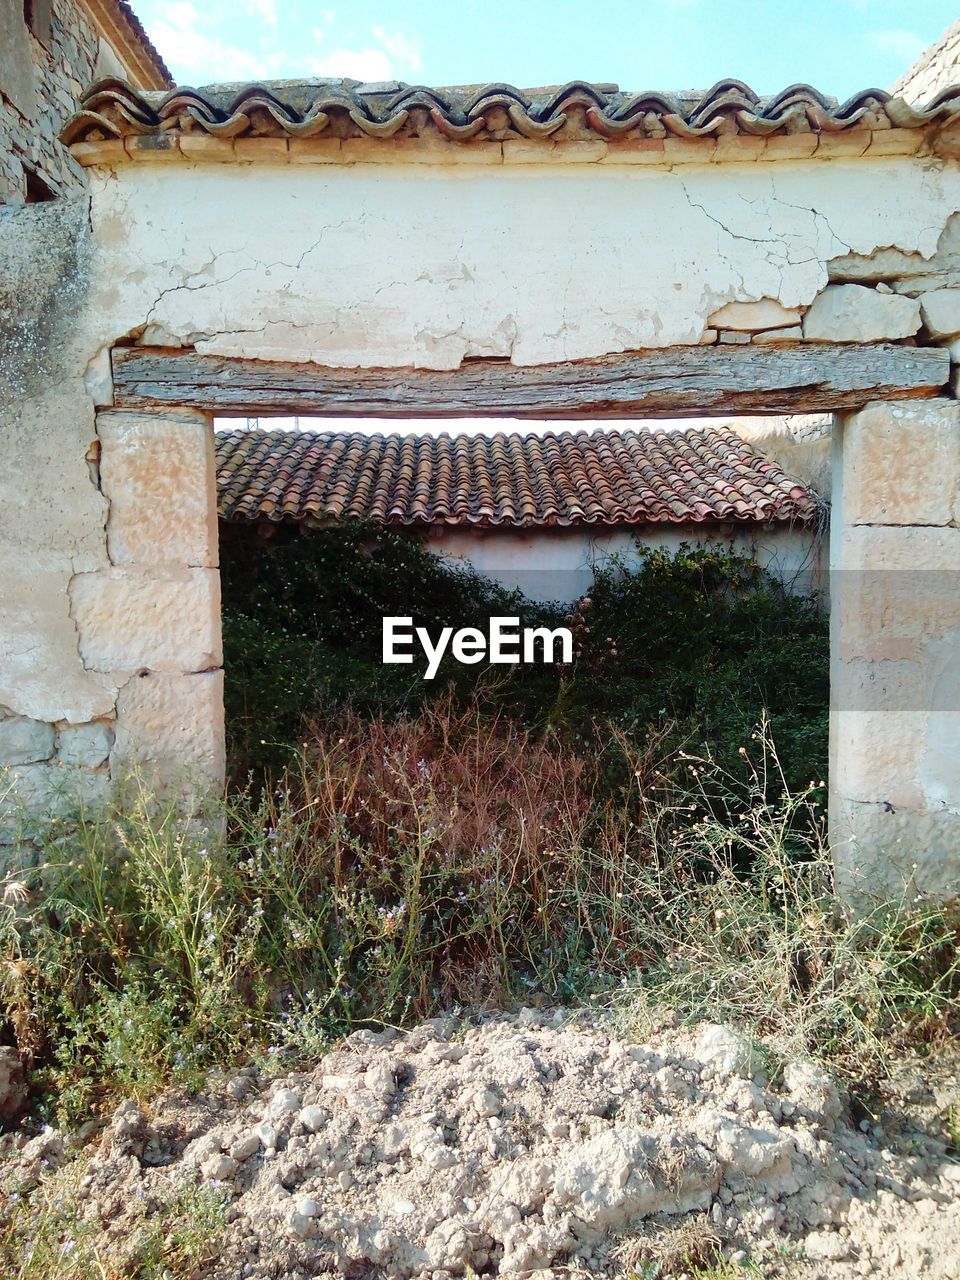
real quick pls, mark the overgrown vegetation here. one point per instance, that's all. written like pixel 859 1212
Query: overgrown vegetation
pixel 620 833
pixel 451 860
pixel 46 1237
pixel 695 646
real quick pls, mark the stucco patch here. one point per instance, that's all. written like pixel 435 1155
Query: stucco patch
pixel 41 673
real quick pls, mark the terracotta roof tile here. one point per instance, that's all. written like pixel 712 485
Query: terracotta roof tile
pixel 525 481
pixel 496 111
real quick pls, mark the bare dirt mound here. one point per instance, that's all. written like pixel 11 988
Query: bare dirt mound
pixel 524 1145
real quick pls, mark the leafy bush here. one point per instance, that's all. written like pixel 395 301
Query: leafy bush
pixel 704 645
pixel 302 621
pixel 700 645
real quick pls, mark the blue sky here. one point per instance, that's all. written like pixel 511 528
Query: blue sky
pixel 837 45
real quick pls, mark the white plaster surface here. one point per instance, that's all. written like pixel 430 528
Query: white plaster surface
pixel 384 265
pixel 558 564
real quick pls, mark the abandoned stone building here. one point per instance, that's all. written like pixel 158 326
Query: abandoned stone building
pixel 50 52
pixel 723 255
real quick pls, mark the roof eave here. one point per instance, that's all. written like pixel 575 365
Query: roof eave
pixel 125 33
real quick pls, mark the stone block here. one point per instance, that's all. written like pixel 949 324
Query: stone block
pixel 895 592
pixel 34 795
pixel 885 852
pixel 793 333
pixel 171 728
pixel 854 313
pixel 767 313
pixel 790 146
pixel 901 463
pixel 847 142
pixel 25 741
pixel 161 620
pixel 158 472
pixel 200 146
pixel 109 152
pixel 940 312
pixel 250 150
pixel 733 336
pixel 85 745
pixel 313 150
pixel 895 728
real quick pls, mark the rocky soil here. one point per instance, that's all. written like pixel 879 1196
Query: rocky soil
pixel 535 1145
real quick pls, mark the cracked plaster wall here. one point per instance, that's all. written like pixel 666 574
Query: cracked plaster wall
pixel 419 265
pixel 354 265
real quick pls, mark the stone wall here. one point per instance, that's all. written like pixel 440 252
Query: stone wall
pixel 39 90
pixel 895 670
pixel 109 590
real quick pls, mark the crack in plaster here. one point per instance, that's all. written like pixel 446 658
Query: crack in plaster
pixel 254 264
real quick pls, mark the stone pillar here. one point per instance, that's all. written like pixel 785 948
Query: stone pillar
pixel 152 617
pixel 895 650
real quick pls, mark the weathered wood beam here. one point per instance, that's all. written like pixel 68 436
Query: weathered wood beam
pixel 675 382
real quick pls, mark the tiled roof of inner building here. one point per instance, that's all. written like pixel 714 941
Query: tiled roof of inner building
pixel 560 478
pixel 349 108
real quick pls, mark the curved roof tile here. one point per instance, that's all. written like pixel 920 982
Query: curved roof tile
pixel 514 481
pixel 348 108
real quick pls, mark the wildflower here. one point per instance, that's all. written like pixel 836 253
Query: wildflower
pixel 16 891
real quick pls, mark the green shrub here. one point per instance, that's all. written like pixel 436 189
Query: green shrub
pixel 302 630
pixel 704 644
pixel 698 645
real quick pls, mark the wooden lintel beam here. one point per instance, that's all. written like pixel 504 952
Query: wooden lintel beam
pixel 678 382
